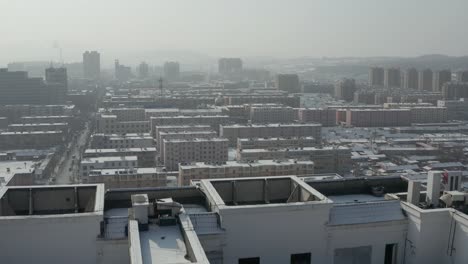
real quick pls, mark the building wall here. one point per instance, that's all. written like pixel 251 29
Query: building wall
pixel 326 117
pixel 255 131
pixel 50 239
pixel 261 232
pixel 183 151
pixel 112 251
pixel 374 235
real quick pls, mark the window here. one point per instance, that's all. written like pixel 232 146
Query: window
pixel 303 258
pixel 390 253
pixel 249 260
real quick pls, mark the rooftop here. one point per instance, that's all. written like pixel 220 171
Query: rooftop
pixel 36 200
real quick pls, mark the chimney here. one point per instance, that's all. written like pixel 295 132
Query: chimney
pixel 433 187
pixel 414 192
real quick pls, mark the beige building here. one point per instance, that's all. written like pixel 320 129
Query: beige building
pixel 293 101
pixel 116 162
pixel 155 131
pixel 213 121
pixel 233 132
pixel 272 114
pixel 234 169
pixel 254 143
pixel 146 156
pixel 158 112
pixel 326 159
pixel 378 117
pixel 131 140
pixel 132 178
pixel 326 117
pixel 181 135
pixel 110 124
pixel 429 114
pixel 191 150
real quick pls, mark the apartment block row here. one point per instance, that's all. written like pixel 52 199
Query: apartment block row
pixel 233 132
pixel 213 121
pixel 31 139
pixel 236 169
pixel 180 151
pixel 326 159
pixel 272 114
pixel 114 141
pixel 146 156
pixel 156 130
pixel 324 116
pixel 253 143
pixel 132 177
pixel 110 124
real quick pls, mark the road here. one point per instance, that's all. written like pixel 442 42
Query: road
pixel 67 170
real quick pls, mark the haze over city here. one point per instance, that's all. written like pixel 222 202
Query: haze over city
pixel 233 132
pixel 244 28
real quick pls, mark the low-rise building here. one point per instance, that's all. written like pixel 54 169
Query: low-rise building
pixel 236 169
pixel 131 140
pixel 178 151
pixel 213 121
pixel 179 128
pixel 146 156
pixel 31 140
pixel 326 159
pixel 326 117
pixel 272 114
pixel 456 109
pixel 428 114
pixel 110 124
pixel 378 117
pixel 233 132
pixel 63 127
pixel 255 143
pixel 117 162
pixel 131 177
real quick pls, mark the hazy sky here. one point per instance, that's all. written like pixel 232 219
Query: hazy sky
pixel 281 28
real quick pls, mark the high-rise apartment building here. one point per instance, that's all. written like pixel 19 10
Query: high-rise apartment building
pixel 18 88
pixel 57 84
pixel 392 77
pixel 455 90
pixel 143 70
pixel 440 78
pixel 425 80
pixel 122 73
pixel 288 82
pixel 376 76
pixel 411 79
pixel 227 66
pixel 172 70
pixel 91 65
pixel 344 90
pixel 462 76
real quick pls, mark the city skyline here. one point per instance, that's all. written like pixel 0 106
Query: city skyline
pixel 317 28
